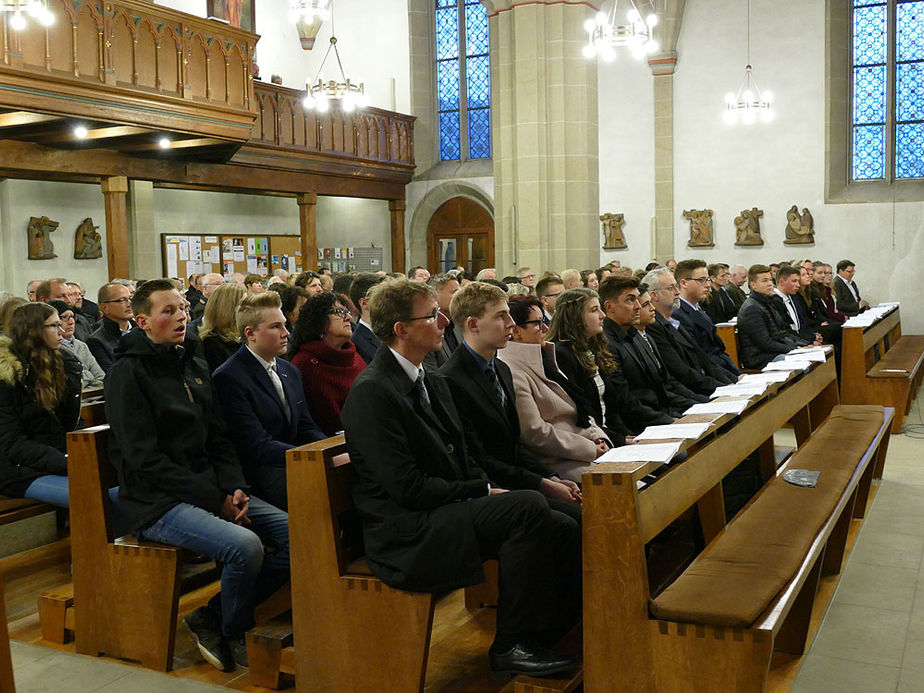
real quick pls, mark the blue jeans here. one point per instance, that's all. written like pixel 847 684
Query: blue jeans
pixel 52 489
pixel 249 576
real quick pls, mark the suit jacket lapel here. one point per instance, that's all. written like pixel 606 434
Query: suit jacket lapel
pixel 476 374
pixel 262 377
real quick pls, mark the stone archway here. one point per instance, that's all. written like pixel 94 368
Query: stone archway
pixel 432 201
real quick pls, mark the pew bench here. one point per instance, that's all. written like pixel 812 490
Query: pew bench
pixel 350 630
pixel 880 365
pixel 751 590
pixel 124 600
pixel 6 661
pixel 728 333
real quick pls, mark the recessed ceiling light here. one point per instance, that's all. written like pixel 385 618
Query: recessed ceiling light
pixel 81 131
pixel 164 143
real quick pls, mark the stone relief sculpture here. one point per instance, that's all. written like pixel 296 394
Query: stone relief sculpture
pixel 799 228
pixel 747 227
pixel 88 244
pixel 700 227
pixel 613 238
pixel 41 246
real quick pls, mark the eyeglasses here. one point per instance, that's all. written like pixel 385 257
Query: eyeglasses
pixel 342 312
pixel 69 318
pixel 429 318
pixel 553 295
pixel 124 300
pixel 57 326
pixel 540 324
pixel 528 276
pixel 701 280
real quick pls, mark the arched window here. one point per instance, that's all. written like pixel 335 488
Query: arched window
pixel 887 114
pixel 463 80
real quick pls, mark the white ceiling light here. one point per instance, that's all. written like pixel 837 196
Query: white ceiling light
pixel 605 34
pixel 749 103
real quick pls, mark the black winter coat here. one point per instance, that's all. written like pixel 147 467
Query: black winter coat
pixel 32 439
pixel 168 441
pixel 762 332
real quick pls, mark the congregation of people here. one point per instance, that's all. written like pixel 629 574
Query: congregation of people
pixel 471 407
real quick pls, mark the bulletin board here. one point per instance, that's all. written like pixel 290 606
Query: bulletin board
pixel 202 253
pixel 355 259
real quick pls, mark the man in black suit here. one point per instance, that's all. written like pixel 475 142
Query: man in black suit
pixel 548 289
pixel 82 304
pixel 737 278
pixel 262 399
pixel 846 293
pixel 446 286
pixel 430 516
pixel 692 277
pixel 482 389
pixel 115 305
pixel 363 338
pixel 783 301
pixel 720 306
pixel 681 355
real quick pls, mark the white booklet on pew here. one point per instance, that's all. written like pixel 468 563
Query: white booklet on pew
pixel 675 430
pixel 818 354
pixel 646 452
pixel 719 406
pixel 751 389
pixel 788 364
pixel 770 377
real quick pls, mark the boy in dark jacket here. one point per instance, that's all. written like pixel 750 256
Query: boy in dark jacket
pixel 180 479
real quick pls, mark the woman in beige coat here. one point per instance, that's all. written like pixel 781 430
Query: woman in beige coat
pixel 551 425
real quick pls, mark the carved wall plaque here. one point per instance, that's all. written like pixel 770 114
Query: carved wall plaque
pixel 700 227
pixel 88 244
pixel 747 227
pixel 799 228
pixel 41 246
pixel 613 239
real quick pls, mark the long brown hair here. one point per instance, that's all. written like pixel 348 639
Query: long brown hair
pixel 568 327
pixel 45 367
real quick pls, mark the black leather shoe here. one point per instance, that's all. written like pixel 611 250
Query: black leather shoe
pixel 238 647
pixel 205 628
pixel 527 658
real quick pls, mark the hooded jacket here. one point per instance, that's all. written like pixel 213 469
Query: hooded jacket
pixel 168 442
pixel 32 439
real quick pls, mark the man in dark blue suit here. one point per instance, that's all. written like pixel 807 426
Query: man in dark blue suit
pixel 692 276
pixel 262 398
pixel 363 338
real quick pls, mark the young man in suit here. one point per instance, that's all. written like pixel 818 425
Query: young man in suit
pixel 482 389
pixel 846 293
pixel 363 338
pixel 548 289
pixel 762 331
pixel 692 278
pixel 430 515
pixel 262 398
pixel 720 306
pixel 180 481
pixel 787 286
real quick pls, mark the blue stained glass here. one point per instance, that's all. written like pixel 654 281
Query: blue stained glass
pixel 869 35
pixel 476 29
pixel 450 136
pixel 869 152
pixel 859 3
pixel 869 95
pixel 909 150
pixel 910 31
pixel 909 91
pixel 446 3
pixel 447 85
pixel 447 33
pixel 478 82
pixel 479 134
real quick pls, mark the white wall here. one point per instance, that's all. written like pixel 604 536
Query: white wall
pixel 68 204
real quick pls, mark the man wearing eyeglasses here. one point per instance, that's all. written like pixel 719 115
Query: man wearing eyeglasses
pixel 548 289
pixel 527 278
pixel 430 514
pixel 115 304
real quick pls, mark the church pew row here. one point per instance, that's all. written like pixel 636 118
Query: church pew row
pixel 672 643
pixel 728 333
pixel 6 663
pixel 879 365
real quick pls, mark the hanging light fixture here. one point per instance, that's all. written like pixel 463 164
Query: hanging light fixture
pixel 748 103
pixel 605 34
pixel 320 93
pixel 308 10
pixel 20 9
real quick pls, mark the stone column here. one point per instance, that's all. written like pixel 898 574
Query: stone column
pixel 145 259
pixel 117 251
pixel 663 69
pixel 396 208
pixel 308 222
pixel 544 131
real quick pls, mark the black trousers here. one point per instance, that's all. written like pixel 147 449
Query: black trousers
pixel 539 555
pixel 269 483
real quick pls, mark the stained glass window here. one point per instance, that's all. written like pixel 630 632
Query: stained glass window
pixel 463 79
pixel 887 113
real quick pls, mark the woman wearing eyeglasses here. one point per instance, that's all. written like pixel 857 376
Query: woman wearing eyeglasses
pixel 93 375
pixel 39 403
pixel 321 349
pixel 553 425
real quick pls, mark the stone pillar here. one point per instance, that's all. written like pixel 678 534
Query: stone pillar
pixel 308 222
pixel 396 208
pixel 117 251
pixel 146 254
pixel 662 67
pixel 544 131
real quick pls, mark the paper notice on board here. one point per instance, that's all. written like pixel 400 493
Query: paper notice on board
pixel 251 264
pixel 184 249
pixel 211 240
pixel 207 255
pixel 195 249
pixel 251 246
pixel 171 261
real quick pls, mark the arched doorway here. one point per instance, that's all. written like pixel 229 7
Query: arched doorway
pixel 460 232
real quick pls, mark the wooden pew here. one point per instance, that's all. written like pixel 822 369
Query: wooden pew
pixel 879 365
pixel 728 333
pixel 124 600
pixel 625 649
pixel 6 662
pixel 351 631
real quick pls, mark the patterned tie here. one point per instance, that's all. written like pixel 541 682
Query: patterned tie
pixel 495 381
pixel 280 391
pixel 421 390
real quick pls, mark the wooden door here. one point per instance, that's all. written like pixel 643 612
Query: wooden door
pixel 461 232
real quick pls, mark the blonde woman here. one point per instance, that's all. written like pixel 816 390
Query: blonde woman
pixel 219 333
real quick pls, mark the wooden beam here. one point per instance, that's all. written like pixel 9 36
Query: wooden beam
pixel 308 220
pixel 175 144
pixel 396 208
pixel 67 136
pixel 18 118
pixel 114 192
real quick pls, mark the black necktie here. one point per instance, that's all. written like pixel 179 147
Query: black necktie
pixel 495 381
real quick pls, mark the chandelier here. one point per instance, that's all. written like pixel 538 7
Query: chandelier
pixel 350 95
pixel 748 103
pixel 604 34
pixel 308 10
pixel 35 9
